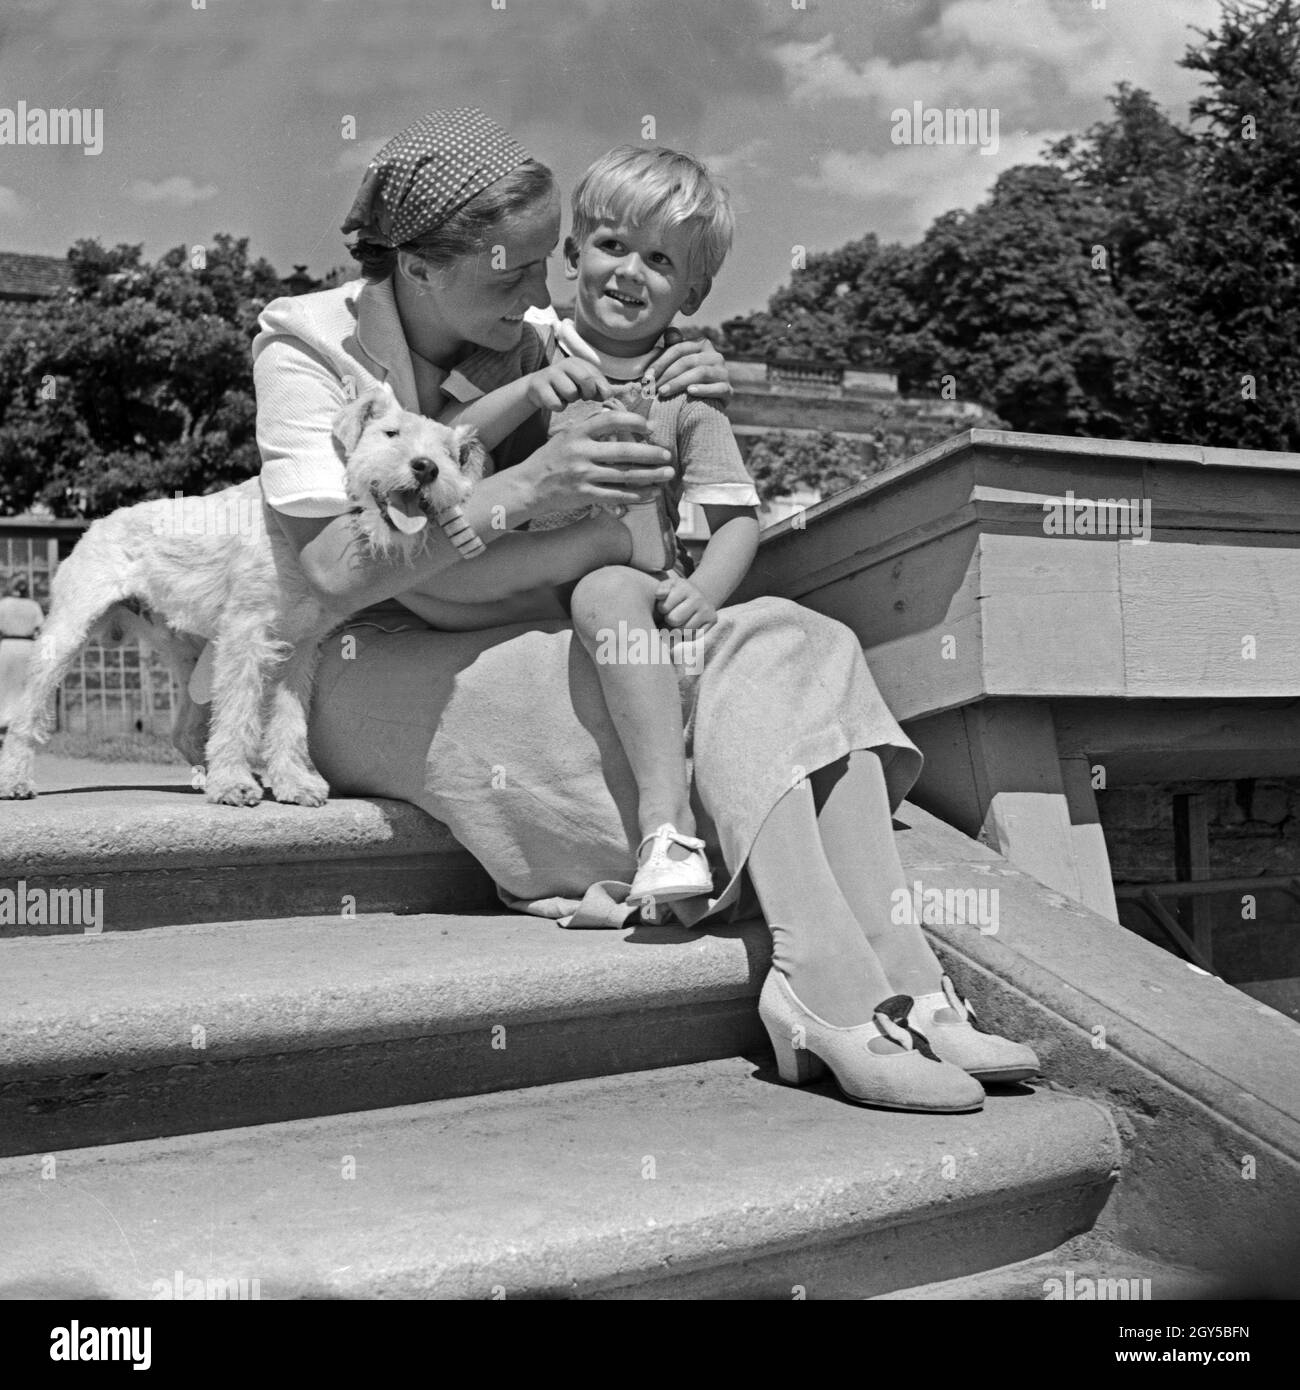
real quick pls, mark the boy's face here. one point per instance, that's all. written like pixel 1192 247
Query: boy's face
pixel 632 281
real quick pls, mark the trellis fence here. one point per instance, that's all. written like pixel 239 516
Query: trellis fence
pixel 113 689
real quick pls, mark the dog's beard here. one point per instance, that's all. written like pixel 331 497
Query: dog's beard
pixel 399 519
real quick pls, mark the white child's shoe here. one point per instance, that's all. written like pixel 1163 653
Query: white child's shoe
pixel 662 879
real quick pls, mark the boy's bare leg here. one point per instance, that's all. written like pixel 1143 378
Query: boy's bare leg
pixel 640 693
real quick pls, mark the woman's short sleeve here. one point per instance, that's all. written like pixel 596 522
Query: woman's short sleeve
pixel 298 396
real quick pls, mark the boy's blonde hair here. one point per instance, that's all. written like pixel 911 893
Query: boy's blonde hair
pixel 635 185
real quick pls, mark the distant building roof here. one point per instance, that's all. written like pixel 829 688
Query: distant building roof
pixel 32 277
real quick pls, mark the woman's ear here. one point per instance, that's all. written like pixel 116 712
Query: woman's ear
pixel 570 258
pixel 414 269
pixel 696 296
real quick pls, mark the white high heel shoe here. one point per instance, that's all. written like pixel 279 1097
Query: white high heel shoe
pixel 948 1022
pixel 878 1063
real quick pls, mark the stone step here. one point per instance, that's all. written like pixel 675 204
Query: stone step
pixel 701 1181
pixel 115 859
pixel 1087 1269
pixel 130 1035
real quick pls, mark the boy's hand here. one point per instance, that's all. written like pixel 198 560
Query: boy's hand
pixel 567 379
pixel 683 606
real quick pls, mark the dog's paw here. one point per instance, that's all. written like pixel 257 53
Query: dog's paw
pixel 242 792
pixel 302 789
pixel 17 791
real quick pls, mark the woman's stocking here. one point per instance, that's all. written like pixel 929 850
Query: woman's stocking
pixel 817 942
pixel 857 836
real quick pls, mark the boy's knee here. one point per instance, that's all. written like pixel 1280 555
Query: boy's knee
pixel 608 594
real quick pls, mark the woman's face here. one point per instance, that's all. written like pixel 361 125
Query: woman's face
pixel 483 298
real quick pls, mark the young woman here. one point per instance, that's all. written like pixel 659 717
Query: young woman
pixel 501 732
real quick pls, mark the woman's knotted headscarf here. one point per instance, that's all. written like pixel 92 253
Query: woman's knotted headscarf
pixel 426 173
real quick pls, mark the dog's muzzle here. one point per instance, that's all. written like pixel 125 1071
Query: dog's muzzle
pixel 404 511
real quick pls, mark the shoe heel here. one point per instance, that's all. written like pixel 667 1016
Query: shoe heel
pixel 795 1065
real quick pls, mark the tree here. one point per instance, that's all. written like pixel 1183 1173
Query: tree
pixel 824 462
pixel 138 384
pixel 830 309
pixel 1014 304
pixel 1010 305
pixel 1136 166
pixel 1219 363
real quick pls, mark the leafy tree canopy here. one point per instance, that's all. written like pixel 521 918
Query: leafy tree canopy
pixel 137 384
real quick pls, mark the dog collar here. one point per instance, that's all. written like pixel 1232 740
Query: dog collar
pixel 460 533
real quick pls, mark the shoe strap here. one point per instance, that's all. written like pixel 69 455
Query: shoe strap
pixel 668 832
pixel 963 1006
pixel 895 1010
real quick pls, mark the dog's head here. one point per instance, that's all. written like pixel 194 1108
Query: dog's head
pixel 403 468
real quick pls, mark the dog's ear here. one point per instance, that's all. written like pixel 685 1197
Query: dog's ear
pixel 474 459
pixel 353 418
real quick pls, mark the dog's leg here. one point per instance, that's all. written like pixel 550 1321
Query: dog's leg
pixel 79 602
pixel 289 769
pixel 181 651
pixel 243 655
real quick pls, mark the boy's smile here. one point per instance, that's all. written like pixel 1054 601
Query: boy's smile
pixel 632 282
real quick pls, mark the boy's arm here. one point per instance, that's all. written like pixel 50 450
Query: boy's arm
pixel 498 414
pixel 730 552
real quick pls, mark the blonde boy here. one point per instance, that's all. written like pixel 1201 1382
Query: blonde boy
pixel 650 231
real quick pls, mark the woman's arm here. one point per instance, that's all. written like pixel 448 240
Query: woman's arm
pixel 695 367
pixel 298 398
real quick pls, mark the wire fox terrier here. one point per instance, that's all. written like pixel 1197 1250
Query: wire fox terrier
pixel 180 572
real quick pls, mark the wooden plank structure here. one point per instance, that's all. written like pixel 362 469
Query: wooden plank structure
pixel 1049 615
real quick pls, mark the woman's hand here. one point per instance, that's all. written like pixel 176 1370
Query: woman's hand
pixel 566 379
pixel 578 466
pixel 696 367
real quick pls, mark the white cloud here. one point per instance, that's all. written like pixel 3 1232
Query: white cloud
pixel 908 186
pixel 1043 62
pixel 729 163
pixel 179 191
pixel 13 208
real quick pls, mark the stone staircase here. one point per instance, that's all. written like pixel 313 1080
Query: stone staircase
pixel 304 1048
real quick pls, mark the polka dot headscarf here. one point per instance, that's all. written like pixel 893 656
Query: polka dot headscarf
pixel 429 171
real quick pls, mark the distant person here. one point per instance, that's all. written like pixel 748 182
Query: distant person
pixel 20 620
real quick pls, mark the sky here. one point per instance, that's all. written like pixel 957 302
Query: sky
pixel 257 117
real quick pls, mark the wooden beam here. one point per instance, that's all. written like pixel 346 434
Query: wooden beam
pixel 1192 862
